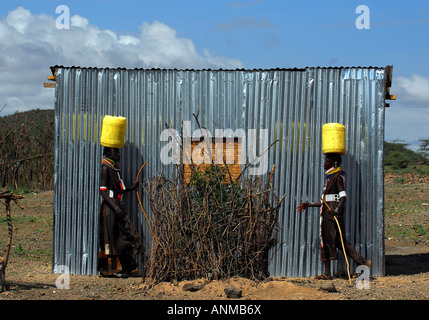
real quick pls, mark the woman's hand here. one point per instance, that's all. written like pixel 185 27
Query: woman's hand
pixel 135 185
pixel 303 207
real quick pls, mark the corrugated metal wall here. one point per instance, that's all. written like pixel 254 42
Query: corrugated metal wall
pixel 292 104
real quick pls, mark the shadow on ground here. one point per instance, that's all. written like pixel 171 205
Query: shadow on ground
pixel 407 264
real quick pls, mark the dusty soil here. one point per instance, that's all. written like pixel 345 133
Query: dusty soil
pixel 29 275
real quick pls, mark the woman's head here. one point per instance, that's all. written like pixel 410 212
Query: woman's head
pixel 332 160
pixel 112 154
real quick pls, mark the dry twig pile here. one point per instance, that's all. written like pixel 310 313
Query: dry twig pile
pixel 212 227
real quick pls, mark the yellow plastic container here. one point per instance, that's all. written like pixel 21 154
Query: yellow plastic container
pixel 113 131
pixel 334 138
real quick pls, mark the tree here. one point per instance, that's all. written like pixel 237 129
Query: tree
pixel 424 149
pixel 398 156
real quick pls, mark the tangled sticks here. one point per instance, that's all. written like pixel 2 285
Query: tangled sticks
pixel 8 197
pixel 212 227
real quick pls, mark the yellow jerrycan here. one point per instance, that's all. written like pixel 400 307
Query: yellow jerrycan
pixel 334 138
pixel 113 131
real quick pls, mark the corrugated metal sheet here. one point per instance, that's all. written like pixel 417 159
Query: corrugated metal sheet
pixel 292 104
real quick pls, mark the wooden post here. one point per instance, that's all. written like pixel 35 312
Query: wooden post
pixel 8 196
pixel 5 259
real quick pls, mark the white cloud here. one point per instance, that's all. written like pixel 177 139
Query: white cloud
pixel 407 118
pixel 414 89
pixel 19 19
pixel 127 39
pixel 30 44
pixel 407 124
pixel 78 21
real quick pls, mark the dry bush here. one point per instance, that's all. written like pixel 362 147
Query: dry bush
pixel 27 151
pixel 212 227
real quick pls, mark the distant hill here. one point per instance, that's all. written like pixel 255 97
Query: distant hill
pixel 27 149
pixel 41 118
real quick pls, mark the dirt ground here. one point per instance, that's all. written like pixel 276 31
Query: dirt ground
pixel 29 274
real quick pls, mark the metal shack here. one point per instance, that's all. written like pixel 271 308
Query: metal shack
pixel 293 104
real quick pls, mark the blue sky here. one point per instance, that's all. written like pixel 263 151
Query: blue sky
pixel 208 33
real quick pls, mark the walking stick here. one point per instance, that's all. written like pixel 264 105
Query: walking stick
pixel 138 197
pixel 342 242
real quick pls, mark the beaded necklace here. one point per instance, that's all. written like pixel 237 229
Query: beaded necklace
pixel 329 173
pixel 110 163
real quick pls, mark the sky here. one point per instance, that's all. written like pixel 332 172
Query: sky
pixel 261 34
